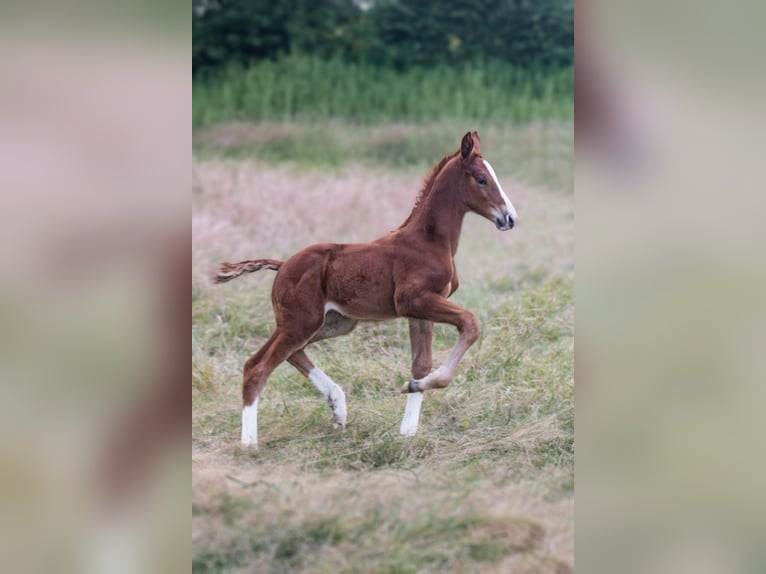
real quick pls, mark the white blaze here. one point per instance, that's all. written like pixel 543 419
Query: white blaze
pixel 250 425
pixel 508 203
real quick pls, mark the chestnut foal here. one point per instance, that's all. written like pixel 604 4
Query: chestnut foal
pixel 324 290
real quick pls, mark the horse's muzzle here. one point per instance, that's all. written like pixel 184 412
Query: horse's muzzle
pixel 504 223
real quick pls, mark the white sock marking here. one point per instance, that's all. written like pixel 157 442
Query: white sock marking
pixel 411 414
pixel 250 425
pixel 332 392
pixel 508 203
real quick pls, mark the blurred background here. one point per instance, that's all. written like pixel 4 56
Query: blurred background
pixel 318 121
pixel 94 219
pixel 382 61
pixel 385 83
pixel 670 282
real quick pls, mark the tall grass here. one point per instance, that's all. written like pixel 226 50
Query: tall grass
pixel 310 88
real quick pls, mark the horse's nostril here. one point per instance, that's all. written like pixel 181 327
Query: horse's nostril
pixel 510 222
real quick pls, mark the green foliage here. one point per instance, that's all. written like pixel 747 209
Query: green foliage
pixel 528 35
pixel 240 32
pixel 311 88
pixel 398 34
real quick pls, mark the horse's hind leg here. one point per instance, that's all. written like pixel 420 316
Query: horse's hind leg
pixel 335 396
pixel 421 335
pixel 334 325
pixel 279 347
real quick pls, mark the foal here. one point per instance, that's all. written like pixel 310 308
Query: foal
pixel 324 290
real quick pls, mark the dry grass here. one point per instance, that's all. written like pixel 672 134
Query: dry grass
pixel 487 483
pixel 540 153
pixel 385 521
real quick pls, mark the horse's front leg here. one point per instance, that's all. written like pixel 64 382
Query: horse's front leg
pixel 421 334
pixel 432 307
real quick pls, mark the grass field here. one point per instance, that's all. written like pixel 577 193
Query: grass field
pixel 310 88
pixel 487 484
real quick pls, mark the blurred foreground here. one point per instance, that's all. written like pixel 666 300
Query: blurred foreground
pixel 94 232
pixel 671 322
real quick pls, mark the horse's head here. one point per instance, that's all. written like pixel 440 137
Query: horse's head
pixel 481 189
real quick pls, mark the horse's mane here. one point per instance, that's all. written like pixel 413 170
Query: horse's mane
pixel 428 184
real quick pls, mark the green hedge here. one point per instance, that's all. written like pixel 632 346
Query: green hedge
pixel 398 34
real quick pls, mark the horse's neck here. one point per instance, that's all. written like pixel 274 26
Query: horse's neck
pixel 440 218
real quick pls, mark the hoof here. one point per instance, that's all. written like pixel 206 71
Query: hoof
pixel 410 386
pixel 249 446
pixel 339 420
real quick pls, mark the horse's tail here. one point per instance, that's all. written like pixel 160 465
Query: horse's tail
pixel 228 271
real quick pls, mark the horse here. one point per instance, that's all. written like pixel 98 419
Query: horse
pixel 324 290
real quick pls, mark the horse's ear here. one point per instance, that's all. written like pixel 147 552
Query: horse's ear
pixel 476 142
pixel 466 146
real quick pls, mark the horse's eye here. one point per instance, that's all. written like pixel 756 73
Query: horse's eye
pixel 481 181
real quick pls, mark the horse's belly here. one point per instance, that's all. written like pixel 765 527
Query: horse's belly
pixel 361 312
